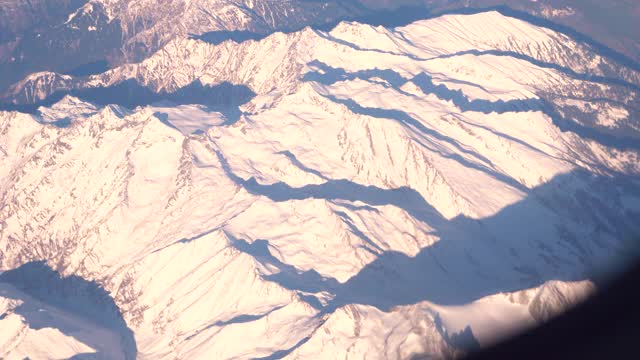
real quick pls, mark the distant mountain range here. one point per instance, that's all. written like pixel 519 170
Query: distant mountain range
pixel 82 37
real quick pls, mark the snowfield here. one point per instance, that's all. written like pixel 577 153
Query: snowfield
pixel 358 193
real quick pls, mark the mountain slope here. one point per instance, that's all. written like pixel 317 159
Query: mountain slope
pixel 427 180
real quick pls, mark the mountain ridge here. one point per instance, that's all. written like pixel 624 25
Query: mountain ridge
pixel 116 25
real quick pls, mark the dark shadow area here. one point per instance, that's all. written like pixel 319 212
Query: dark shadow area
pixel 463 340
pixel 425 83
pixel 327 75
pixel 91 68
pixel 389 18
pixel 282 353
pixel 86 299
pixel 220 36
pixel 17 17
pixel 294 160
pixel 225 97
pixel 62 123
pixel 240 319
pixel 188 240
pixel 130 94
pixel 164 118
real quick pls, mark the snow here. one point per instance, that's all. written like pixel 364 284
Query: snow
pixel 490 319
pixel 189 119
pixel 68 107
pixel 373 199
pixel 610 116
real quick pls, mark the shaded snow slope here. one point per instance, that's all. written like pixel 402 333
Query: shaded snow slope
pixel 36 330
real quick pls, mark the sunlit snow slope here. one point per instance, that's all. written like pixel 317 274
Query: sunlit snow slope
pixel 382 193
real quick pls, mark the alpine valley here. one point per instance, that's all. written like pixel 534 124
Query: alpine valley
pixel 353 191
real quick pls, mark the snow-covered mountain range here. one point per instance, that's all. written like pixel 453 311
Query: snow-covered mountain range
pixel 81 36
pixel 356 192
pixel 90 36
